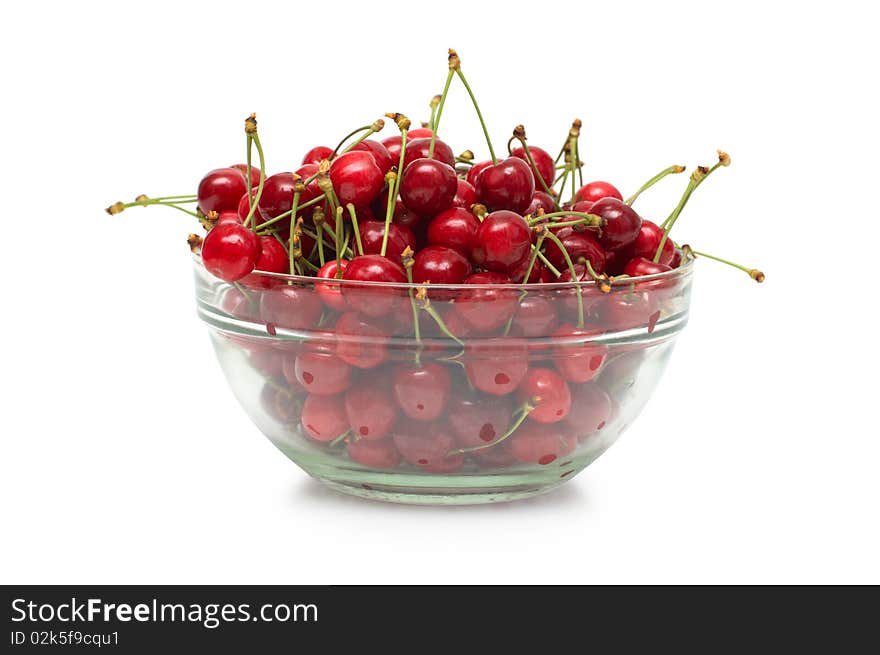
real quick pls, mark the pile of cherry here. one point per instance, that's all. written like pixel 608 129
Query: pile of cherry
pixel 472 385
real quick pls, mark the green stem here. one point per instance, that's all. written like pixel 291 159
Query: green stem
pixel 289 212
pixel 338 440
pixel 537 173
pixel 354 224
pixel 588 219
pixel 392 192
pixel 659 176
pixel 290 255
pixel 436 122
pixel 427 308
pixel 249 220
pixel 415 313
pixel 753 273
pixel 555 239
pixel 367 128
pixel 668 224
pixel 479 114
pixel 320 242
pixel 546 262
pixel 520 416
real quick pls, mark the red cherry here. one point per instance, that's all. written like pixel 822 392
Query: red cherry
pixel 597 190
pixel 677 256
pixel 277 197
pixel 273 259
pixel 244 206
pixel 648 240
pixel 620 223
pixel 541 200
pixel 317 154
pixel 426 446
pixel 392 145
pixel 485 308
pixel 359 342
pixel 374 454
pixel 477 421
pixel 236 304
pixel 356 178
pixel 322 373
pixel 497 365
pixel 641 266
pixel 330 293
pixel 580 245
pixel 475 171
pixel 623 309
pixel 541 444
pixel 535 316
pixel 371 412
pixel 577 361
pixel 548 393
pixel 290 307
pixel 428 186
pixel 440 265
pixel 227 216
pixel 539 272
pixel 323 417
pixel 422 392
pixel 543 162
pixel 454 228
pixel 465 195
pixel 373 301
pixel 502 241
pixel 230 251
pixel 419 148
pixel 419 133
pixel 255 173
pixel 221 189
pixel 507 185
pixel 399 238
pixel 590 409
pixel 379 152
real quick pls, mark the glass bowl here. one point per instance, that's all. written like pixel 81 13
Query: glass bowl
pixel 501 395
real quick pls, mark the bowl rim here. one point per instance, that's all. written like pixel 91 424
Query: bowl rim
pixel 684 269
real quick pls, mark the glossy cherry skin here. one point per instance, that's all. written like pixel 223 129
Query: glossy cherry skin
pixel 273 259
pixel 422 392
pixel 536 316
pixel 542 444
pixel 545 389
pixel 244 206
pixel 419 133
pixel 392 145
pixel 403 215
pixel 507 185
pixel 648 240
pixel 323 417
pixel 580 245
pixel 454 228
pixel 496 366
pixel 331 294
pixel 356 178
pixel 486 308
pixel 230 251
pixel 365 299
pixel 677 257
pixel 475 171
pixel 477 421
pixel 255 173
pixel 317 154
pixel 642 266
pixel 440 265
pixel 380 154
pixel 221 189
pixel 577 362
pixel 620 223
pixel 359 342
pixel 428 186
pixel 597 190
pixel 290 307
pixel 426 445
pixel 541 200
pixel 591 409
pixel 399 238
pixel 543 162
pixel 322 373
pixel 419 148
pixel 277 197
pixel 626 310
pixel 539 272
pixel 371 411
pixel 465 195
pixel 502 241
pixel 374 454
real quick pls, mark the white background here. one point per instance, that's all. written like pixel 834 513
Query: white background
pixel 125 458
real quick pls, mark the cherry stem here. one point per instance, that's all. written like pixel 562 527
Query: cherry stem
pixel 520 415
pixel 538 175
pixel 408 264
pixel 354 224
pixel 342 437
pixel 525 280
pixel 249 220
pixel 320 242
pixel 435 121
pixel 294 238
pixel 697 178
pixel 289 212
pixel 119 206
pixel 754 273
pixel 572 147
pixel 366 129
pixel 577 159
pixel 546 262
pixel 555 239
pixel 430 311
pixel 593 220
pixel 338 235
pixel 672 170
pixel 479 114
pixel 393 189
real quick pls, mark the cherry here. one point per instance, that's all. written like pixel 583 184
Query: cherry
pixel 255 173
pixel 535 317
pixel 244 206
pixel 485 308
pixel 374 454
pixel 499 456
pixel 477 421
pixel 626 310
pixel 579 245
pixel 502 241
pixel 507 185
pixel 577 362
pixel 277 197
pixel 330 293
pixel 380 154
pixel 620 223
pixel 273 259
pixel 497 365
pixel 475 171
pixel 547 392
pixel 392 145
pixel 322 373
pixel 543 162
pixel 359 342
pixel 237 304
pixel 371 412
pixel 419 133
pixel 590 409
pixel 421 392
pixel 227 216
pixel 221 189
pixel 426 446
pixel 290 307
pixel 454 228
pixel 356 178
pixel 403 215
pixel 323 417
pixel 372 301
pixel 541 444
pixel 419 149
pixel 428 186
pixel 230 251
pixel 317 154
pixel 539 272
pixel 440 265
pixel 399 238
pixel 677 256
pixel 541 200
pixel 642 266
pixel 269 362
pixel 594 191
pixel 648 240
pixel 465 195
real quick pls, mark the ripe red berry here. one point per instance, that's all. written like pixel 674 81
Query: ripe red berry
pixel 454 228
pixel 380 154
pixel 428 186
pixel 547 392
pixel 419 149
pixel 322 373
pixel 543 162
pixel 360 342
pixel 591 409
pixel 440 265
pixel 422 391
pixel 317 154
pixel 541 444
pixel 486 306
pixel 465 195
pixel 356 178
pixel 507 185
pixel 373 300
pixel 323 417
pixel 574 357
pixel 620 223
pixel 330 293
pixel 399 239
pixel 273 259
pixel 497 365
pixel 597 190
pixel 380 454
pixel 502 241
pixel 221 189
pixel 230 251
pixel 371 411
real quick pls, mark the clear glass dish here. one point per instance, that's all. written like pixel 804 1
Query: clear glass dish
pixel 333 373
